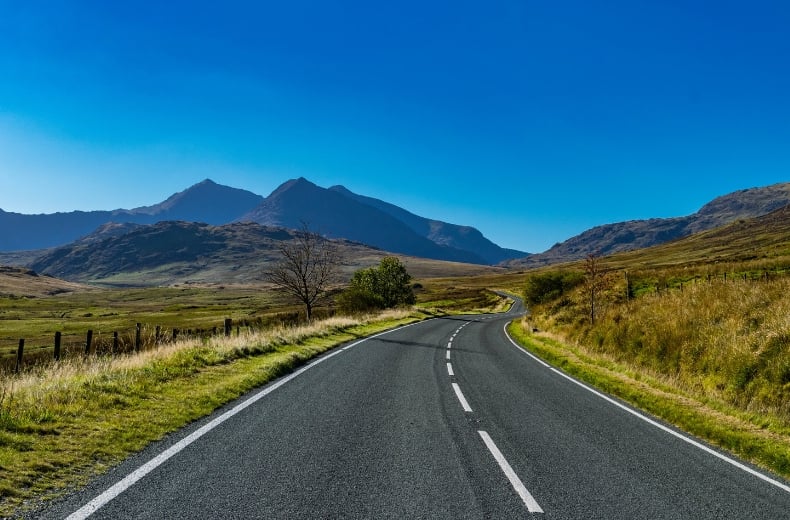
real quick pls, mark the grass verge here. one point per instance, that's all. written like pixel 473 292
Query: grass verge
pixel 760 439
pixel 63 424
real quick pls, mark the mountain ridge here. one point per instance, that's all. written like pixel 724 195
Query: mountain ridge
pixel 630 235
pixel 451 235
pixel 334 214
pixel 214 203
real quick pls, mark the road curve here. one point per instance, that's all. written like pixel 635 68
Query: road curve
pixel 442 419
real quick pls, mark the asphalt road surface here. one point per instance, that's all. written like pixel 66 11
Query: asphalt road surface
pixel 441 419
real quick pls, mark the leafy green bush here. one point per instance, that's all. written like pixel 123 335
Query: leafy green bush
pixel 381 287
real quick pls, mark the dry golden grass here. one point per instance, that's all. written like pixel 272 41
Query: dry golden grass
pixel 62 423
pixel 728 340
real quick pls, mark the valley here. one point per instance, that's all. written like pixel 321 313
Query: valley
pixel 692 330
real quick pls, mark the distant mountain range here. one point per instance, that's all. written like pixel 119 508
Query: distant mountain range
pixel 637 234
pixel 335 213
pixel 206 202
pixel 101 243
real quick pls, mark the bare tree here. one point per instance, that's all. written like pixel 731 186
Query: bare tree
pixel 594 283
pixel 307 266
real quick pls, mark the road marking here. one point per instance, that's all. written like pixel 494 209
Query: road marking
pixel 450 369
pixel 680 436
pixel 524 351
pixel 448 354
pixel 521 489
pixel 128 481
pixel 450 344
pixel 460 396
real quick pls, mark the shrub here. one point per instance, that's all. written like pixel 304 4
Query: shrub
pixel 381 287
pixel 545 287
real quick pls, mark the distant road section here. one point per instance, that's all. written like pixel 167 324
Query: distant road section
pixel 442 419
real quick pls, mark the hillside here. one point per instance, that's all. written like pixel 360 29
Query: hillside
pixel 184 252
pixel 761 238
pixel 336 215
pixel 626 236
pixel 25 283
pixel 465 238
pixel 204 202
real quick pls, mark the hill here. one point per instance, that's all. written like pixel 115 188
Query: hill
pixel 174 252
pixel 763 238
pixel 204 202
pixel 25 283
pixel 335 214
pixel 465 238
pixel 636 234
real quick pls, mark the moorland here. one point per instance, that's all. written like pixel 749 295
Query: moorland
pixel 695 331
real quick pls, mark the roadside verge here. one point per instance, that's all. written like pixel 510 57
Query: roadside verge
pixel 751 438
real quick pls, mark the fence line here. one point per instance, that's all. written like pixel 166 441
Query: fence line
pixel 116 345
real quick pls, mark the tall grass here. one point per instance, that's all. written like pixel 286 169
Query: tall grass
pixel 61 423
pixel 725 340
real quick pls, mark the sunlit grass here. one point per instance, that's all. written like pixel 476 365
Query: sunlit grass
pixel 62 423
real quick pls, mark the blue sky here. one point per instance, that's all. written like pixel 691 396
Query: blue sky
pixel 532 121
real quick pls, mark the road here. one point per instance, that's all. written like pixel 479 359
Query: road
pixel 441 419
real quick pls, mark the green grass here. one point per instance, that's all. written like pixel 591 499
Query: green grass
pixel 762 439
pixel 60 425
pixel 104 311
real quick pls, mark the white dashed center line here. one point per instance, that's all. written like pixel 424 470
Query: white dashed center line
pixel 460 395
pixel 526 496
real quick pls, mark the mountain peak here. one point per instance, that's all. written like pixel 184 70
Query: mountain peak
pixel 205 201
pixel 293 184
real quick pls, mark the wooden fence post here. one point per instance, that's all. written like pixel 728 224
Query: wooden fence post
pixel 137 338
pixel 114 343
pixel 175 334
pixel 228 325
pixel 156 336
pixel 57 346
pixel 88 342
pixel 19 354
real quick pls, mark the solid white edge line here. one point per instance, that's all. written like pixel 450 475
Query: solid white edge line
pixel 460 396
pixel 450 369
pixel 658 425
pixel 125 483
pixel 521 489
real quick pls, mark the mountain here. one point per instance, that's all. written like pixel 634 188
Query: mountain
pixel 758 238
pixel 335 214
pixel 204 202
pixel 207 202
pixel 637 234
pixel 172 252
pixel 465 238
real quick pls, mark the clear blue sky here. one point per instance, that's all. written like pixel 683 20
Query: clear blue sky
pixel 531 120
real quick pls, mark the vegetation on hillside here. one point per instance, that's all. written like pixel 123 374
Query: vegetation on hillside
pixel 696 331
pixel 729 339
pixel 380 287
